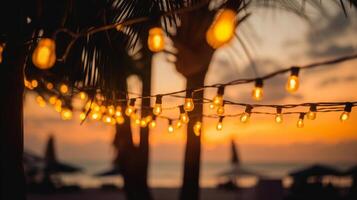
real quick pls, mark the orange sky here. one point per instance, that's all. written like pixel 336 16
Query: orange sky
pixel 277 42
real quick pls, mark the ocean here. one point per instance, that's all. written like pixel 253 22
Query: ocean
pixel 168 174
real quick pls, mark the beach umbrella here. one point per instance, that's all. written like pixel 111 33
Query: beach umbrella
pixel 234 154
pixel 52 165
pixel 314 170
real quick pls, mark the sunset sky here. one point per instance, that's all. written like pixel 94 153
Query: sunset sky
pixel 277 40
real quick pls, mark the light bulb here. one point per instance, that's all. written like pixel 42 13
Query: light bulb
pixel 52 99
pixel 120 119
pixel 170 128
pixel 58 105
pixel 218 99
pixel 102 108
pixel 346 112
pixel 143 123
pixel 244 118
pixel 183 115
pixel 96 116
pixel 152 124
pixel 40 101
pixel 220 110
pixel 220 124
pixel 312 112
pixel 197 128
pixel 130 107
pixel 257 93
pixel 83 96
pixel 44 55
pixel 279 116
pixel 111 110
pixel 66 114
pixel 300 122
pixel 107 119
pixel 118 112
pixel 222 29
pixel 49 86
pixel 178 124
pixel 27 84
pixel 34 83
pixel 211 106
pixel 189 105
pixel 82 116
pixel 157 107
pixel 156 39
pixel 63 88
pixel 292 85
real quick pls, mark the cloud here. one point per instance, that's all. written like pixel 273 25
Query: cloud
pixel 337 80
pixel 332 50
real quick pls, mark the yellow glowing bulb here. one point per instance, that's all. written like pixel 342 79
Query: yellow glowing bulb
pixel 63 88
pixel 292 84
pixel 111 110
pixel 156 39
pixel 222 29
pixel 107 119
pixel 344 116
pixel 189 105
pixel 118 112
pixel 218 100
pixel 220 110
pixel 40 101
pixel 143 123
pixel 49 86
pixel 184 118
pixel 82 116
pixel 211 106
pixel 129 110
pixel 300 123
pixel 120 120
pixel 157 109
pixel 279 118
pixel 257 93
pixel 244 118
pixel 52 100
pixel 96 116
pixel 311 115
pixel 34 83
pixel 28 84
pixel 83 96
pixel 170 128
pixel 197 128
pixel 66 114
pixel 44 55
pixel 219 126
pixel 178 124
pixel 152 124
pixel 58 105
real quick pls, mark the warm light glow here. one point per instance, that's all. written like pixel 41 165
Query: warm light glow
pixel 44 55
pixel 178 124
pixel 58 105
pixel 129 110
pixel 344 116
pixel 63 88
pixel 189 105
pixel 34 83
pixel 257 93
pixel 279 118
pixel 300 123
pixel 184 118
pixel 118 112
pixel 244 118
pixel 211 106
pixel 197 128
pixel 220 110
pixel 143 123
pixel 52 100
pixel 120 119
pixel 292 84
pixel 103 108
pixel 218 100
pixel 152 124
pixel 170 128
pixel 156 39
pixel 40 101
pixel 157 109
pixel 219 126
pixel 28 84
pixel 82 116
pixel 111 110
pixel 66 114
pixel 107 119
pixel 96 116
pixel 311 115
pixel 83 96
pixel 222 29
pixel 49 86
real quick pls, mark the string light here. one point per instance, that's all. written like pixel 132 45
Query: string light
pixel 183 115
pixel 244 118
pixel 311 115
pixel 257 92
pixel 170 128
pixel 83 96
pixel 52 100
pixel 222 29
pixel 82 116
pixel 189 105
pixel 218 99
pixel 120 119
pixel 34 83
pixel 130 107
pixel 220 110
pixel 157 107
pixel 66 114
pixel 58 105
pixel 156 39
pixel 135 117
pixel 197 128
pixel 220 123
pixel 111 110
pixel 44 55
pixel 118 112
pixel 49 86
pixel 152 123
pixel 63 88
pixel 96 116
pixel 107 119
pixel 40 101
pixel 178 124
pixel 279 116
pixel 292 84
pixel 346 113
pixel 300 122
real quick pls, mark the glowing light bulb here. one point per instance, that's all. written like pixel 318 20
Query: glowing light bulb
pixel 218 99
pixel 257 93
pixel 157 107
pixel 197 128
pixel 52 99
pixel 83 96
pixel 111 110
pixel 58 105
pixel 244 118
pixel 103 108
pixel 107 119
pixel 312 112
pixel 63 88
pixel 49 86
pixel 153 124
pixel 300 122
pixel 143 123
pixel 156 39
pixel 82 116
pixel 220 110
pixel 189 105
pixel 34 83
pixel 66 114
pixel 96 116
pixel 27 84
pixel 120 119
pixel 130 108
pixel 292 85
pixel 278 116
pixel 178 124
pixel 118 112
pixel 222 29
pixel 219 126
pixel 170 128
pixel 183 115
pixel 40 101
pixel 211 106
pixel 44 55
pixel 346 113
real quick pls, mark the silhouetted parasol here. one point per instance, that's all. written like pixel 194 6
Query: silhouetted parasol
pixel 52 165
pixel 314 170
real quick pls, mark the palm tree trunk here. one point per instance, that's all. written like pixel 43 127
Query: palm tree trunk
pixel 12 173
pixel 190 186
